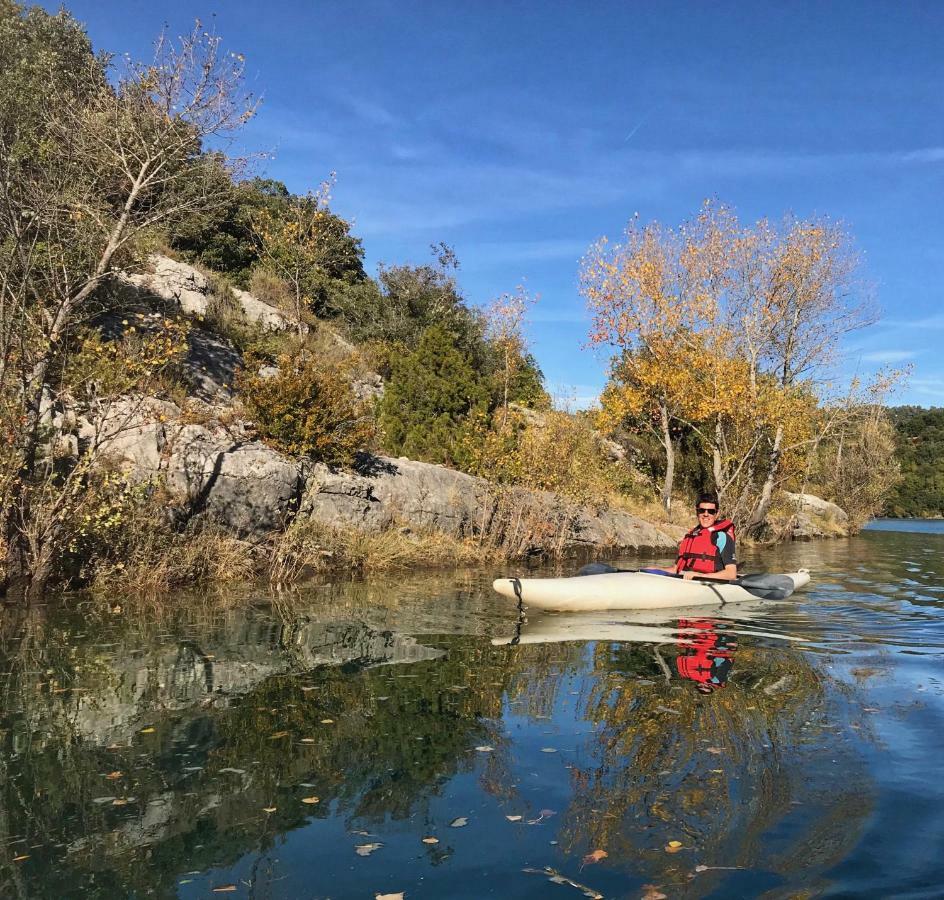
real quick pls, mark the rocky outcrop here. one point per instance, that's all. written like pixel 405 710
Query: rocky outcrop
pixel 815 518
pixel 214 471
pixel 190 290
pixel 387 492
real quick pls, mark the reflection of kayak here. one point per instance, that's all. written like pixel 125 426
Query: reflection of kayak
pixel 641 590
pixel 629 626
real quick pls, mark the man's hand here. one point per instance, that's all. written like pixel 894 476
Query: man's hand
pixel 689 575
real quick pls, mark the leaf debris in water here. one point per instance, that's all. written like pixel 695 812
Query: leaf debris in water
pixel 430 840
pixel 485 748
pixel 327 721
pixel 398 896
pixel 311 800
pixel 513 818
pixel 367 849
pixel 460 822
pixel 595 857
pixel 555 877
pixel 224 889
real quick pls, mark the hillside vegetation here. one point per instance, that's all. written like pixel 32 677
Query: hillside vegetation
pixel 919 448
pixel 720 332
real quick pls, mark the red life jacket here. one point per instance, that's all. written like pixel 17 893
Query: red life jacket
pixel 698 551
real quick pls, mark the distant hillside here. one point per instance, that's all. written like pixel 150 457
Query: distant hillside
pixel 920 452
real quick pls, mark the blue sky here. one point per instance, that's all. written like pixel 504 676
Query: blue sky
pixel 520 132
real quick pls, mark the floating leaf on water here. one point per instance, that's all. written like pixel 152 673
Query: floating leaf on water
pixel 307 687
pixel 548 750
pixel 113 775
pixel 308 740
pixel 119 801
pixel 278 734
pixel 460 822
pixel 652 892
pixel 327 721
pixel 430 840
pixel 701 868
pixel 673 846
pixel 595 857
pixel 224 889
pixel 389 896
pixel 485 748
pixel 367 849
pixel 269 809
pixel 513 818
pixel 311 800
pixel 21 857
pixel 233 771
pixel 147 730
pixel 715 750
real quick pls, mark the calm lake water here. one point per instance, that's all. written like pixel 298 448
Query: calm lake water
pixel 379 738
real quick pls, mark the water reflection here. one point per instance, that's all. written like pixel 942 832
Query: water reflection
pixel 707 653
pixel 260 747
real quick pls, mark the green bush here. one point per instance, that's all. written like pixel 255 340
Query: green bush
pixel 306 409
pixel 431 391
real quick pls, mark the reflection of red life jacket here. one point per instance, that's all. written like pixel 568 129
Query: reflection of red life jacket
pixel 708 656
pixel 698 551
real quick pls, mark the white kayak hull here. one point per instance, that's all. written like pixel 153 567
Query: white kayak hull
pixel 626 590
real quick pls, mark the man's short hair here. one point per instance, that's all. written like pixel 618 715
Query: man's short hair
pixel 708 497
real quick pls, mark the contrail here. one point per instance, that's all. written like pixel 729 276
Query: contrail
pixel 641 122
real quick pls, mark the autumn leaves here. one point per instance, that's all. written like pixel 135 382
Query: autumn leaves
pixel 727 333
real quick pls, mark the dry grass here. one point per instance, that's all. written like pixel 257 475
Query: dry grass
pixel 158 561
pixel 307 548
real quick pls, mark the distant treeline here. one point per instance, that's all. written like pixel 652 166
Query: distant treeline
pixel 919 439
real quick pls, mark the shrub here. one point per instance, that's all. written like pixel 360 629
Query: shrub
pixel 306 409
pixel 430 393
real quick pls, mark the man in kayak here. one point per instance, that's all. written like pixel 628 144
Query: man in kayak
pixel 707 551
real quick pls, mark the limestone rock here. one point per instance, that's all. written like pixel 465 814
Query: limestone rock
pixel 386 492
pixel 247 487
pixel 210 366
pixel 189 289
pixel 815 518
pixel 243 485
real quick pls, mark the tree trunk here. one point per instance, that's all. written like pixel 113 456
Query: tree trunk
pixel 669 448
pixel 762 507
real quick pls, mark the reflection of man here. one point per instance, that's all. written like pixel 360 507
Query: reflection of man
pixel 708 654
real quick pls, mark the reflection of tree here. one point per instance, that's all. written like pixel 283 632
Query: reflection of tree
pixel 712 772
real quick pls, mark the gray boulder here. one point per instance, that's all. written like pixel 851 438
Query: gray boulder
pixel 387 493
pixel 189 289
pixel 216 472
pixel 815 518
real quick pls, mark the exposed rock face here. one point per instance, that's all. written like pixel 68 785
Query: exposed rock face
pixel 816 518
pixel 190 289
pixel 210 366
pixel 241 484
pixel 389 492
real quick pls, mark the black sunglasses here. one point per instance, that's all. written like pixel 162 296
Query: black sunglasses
pixel 701 510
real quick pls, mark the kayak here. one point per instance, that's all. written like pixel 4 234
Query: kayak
pixel 642 590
